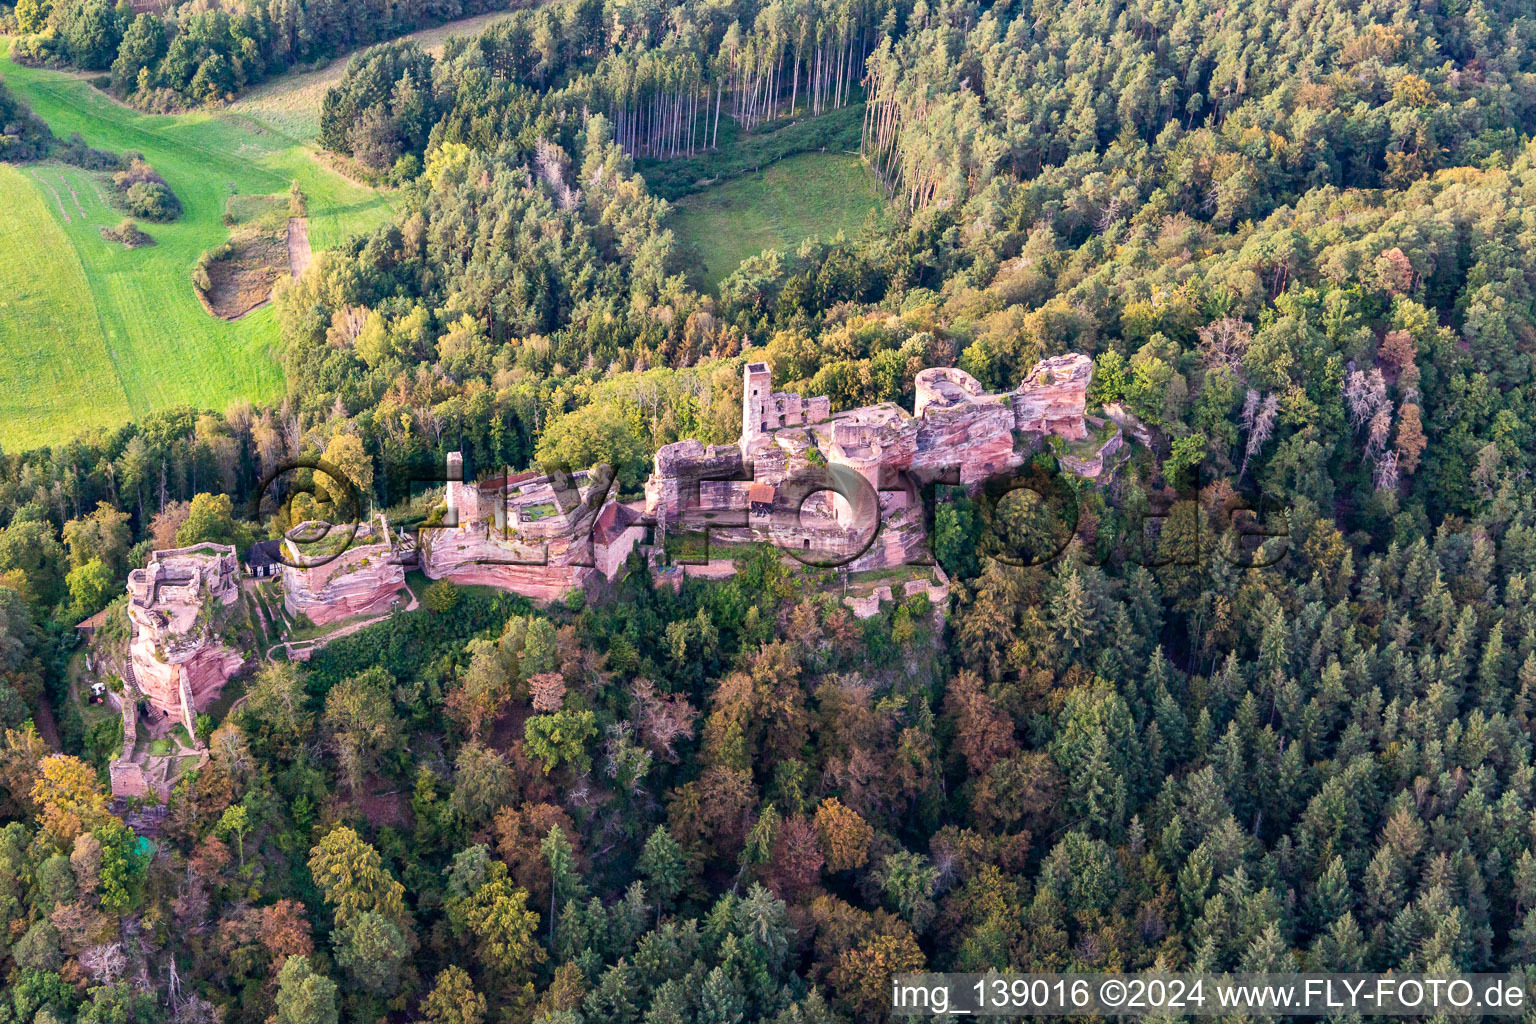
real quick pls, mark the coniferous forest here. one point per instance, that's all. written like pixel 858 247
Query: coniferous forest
pixel 1296 238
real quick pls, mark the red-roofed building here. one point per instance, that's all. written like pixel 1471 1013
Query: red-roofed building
pixel 617 530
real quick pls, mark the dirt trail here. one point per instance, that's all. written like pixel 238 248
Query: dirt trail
pixel 72 193
pixel 47 727
pixel 302 649
pixel 53 192
pixel 298 246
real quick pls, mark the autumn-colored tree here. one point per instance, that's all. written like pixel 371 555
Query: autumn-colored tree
pixel 1398 350
pixel 1023 788
pixel 709 816
pixel 197 801
pixel 844 836
pixel 69 799
pixel 284 931
pixel 1411 441
pixel 564 994
pixel 351 876
pixel 547 690
pixel 167 523
pixel 520 829
pixel 496 913
pixel 856 952
pixel 983 733
pixel 453 1000
pixel 794 866
pixel 21 755
pixel 861 976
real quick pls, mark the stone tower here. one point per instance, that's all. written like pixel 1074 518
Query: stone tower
pixel 455 480
pixel 756 398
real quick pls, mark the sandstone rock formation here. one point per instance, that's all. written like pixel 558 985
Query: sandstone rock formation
pixel 176 658
pixel 363 579
pixel 1053 397
pixel 530 533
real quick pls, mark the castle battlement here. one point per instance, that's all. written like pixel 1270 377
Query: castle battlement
pixel 956 430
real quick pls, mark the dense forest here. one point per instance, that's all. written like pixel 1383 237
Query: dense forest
pixel 1294 237
pixel 166 56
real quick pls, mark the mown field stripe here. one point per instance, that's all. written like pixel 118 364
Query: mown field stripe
pixel 57 376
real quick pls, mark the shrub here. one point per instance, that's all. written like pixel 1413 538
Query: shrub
pixel 132 169
pixel 128 234
pixel 152 201
pixel 441 596
pixel 23 135
pixel 75 151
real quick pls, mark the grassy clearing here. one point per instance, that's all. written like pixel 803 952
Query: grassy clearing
pixel 290 104
pixel 51 356
pixel 812 194
pixel 269 213
pixel 96 333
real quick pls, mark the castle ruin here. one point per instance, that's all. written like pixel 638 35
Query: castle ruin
pixel 542 535
pixel 177 661
pixel 794 478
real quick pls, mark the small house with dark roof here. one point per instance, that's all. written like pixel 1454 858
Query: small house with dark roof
pixel 89 627
pixel 617 530
pixel 263 559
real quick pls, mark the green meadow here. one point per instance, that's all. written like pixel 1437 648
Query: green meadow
pixel 91 333
pixel 290 104
pixel 776 208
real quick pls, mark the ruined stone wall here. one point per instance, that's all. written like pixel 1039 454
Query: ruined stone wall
pixel 1093 466
pixel 976 437
pixel 174 653
pixel 359 581
pixel 128 779
pixel 675 469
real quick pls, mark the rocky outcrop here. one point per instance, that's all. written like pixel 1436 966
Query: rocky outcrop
pixel 960 425
pixel 184 675
pixel 680 467
pixel 532 535
pixel 364 579
pixel 537 582
pixel 1054 397
pixel 178 662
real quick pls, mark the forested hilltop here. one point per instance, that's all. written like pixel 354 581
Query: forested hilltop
pixel 1296 240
